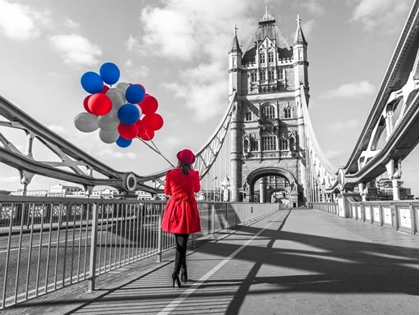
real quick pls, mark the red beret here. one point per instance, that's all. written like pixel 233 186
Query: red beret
pixel 186 156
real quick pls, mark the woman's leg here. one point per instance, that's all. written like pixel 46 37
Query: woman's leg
pixel 181 241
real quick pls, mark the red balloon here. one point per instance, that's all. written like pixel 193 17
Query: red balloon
pixel 85 104
pixel 127 132
pixel 147 135
pixel 99 104
pixel 153 121
pixel 148 105
pixel 142 86
pixel 141 128
pixel 105 89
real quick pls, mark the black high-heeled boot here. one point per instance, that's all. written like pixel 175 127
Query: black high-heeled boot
pixel 184 274
pixel 175 278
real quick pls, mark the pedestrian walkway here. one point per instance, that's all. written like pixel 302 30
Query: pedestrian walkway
pixel 294 262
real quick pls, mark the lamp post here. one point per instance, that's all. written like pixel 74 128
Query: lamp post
pixel 225 185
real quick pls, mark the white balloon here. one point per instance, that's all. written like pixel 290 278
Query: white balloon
pixel 122 86
pixel 86 122
pixel 139 108
pixel 109 136
pixel 109 121
pixel 117 98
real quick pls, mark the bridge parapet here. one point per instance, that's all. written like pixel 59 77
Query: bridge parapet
pixel 400 216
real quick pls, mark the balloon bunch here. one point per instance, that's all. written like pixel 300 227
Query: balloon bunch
pixel 121 113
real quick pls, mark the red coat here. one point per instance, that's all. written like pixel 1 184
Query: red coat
pixel 181 212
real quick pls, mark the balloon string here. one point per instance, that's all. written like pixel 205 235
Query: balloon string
pixel 156 150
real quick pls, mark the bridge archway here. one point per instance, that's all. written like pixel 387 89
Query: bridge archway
pixel 279 195
pixel 262 172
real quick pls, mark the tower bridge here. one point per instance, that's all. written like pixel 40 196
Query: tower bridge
pixel 265 139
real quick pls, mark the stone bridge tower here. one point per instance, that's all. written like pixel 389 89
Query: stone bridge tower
pixel 267 128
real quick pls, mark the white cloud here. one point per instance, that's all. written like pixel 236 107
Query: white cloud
pixel 199 37
pixel 313 7
pixel 69 23
pixel 133 45
pixel 351 90
pixel 307 28
pixel 384 14
pixel 18 21
pixel 76 50
pixel 136 72
pixel 194 89
pixel 340 125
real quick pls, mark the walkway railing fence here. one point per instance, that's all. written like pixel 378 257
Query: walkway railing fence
pixel 400 215
pixel 49 243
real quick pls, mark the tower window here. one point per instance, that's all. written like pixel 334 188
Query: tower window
pixel 262 75
pixel 280 74
pixel 270 56
pixel 271 75
pixel 262 57
pixel 248 116
pixel 287 112
pixel 284 145
pixel 253 76
pixel 269 143
pixel 268 112
pixel 254 145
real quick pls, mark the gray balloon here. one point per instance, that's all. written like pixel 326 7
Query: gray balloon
pixel 122 86
pixel 117 98
pixel 86 122
pixel 109 136
pixel 109 121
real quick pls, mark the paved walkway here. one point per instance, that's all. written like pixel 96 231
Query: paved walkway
pixel 293 262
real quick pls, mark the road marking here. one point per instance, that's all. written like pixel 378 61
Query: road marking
pixel 171 306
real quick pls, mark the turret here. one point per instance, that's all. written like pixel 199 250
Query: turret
pixel 300 60
pixel 235 60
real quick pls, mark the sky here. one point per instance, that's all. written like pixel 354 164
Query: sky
pixel 178 50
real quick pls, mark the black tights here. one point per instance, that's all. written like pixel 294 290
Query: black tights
pixel 181 251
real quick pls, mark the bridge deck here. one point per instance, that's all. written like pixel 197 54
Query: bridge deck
pixel 298 262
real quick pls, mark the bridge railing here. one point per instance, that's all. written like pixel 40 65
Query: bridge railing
pixel 400 215
pixel 330 207
pixel 49 243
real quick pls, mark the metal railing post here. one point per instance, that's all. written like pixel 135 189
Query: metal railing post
pixel 213 219
pixel 159 241
pixel 93 243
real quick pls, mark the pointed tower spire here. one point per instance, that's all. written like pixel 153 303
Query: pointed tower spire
pixel 299 37
pixel 235 47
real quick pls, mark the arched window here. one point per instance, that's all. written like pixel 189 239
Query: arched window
pixel 248 116
pixel 287 112
pixel 280 75
pixel 270 56
pixel 262 57
pixel 284 145
pixel 271 75
pixel 254 145
pixel 262 75
pixel 292 144
pixel 269 143
pixel 253 76
pixel 268 112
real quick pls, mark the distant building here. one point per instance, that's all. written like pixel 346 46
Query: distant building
pixel 65 191
pixel 381 189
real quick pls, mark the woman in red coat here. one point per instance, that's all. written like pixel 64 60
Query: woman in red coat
pixel 181 213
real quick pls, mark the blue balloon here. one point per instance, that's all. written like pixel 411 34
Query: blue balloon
pixel 92 82
pixel 128 114
pixel 135 94
pixel 123 143
pixel 109 73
